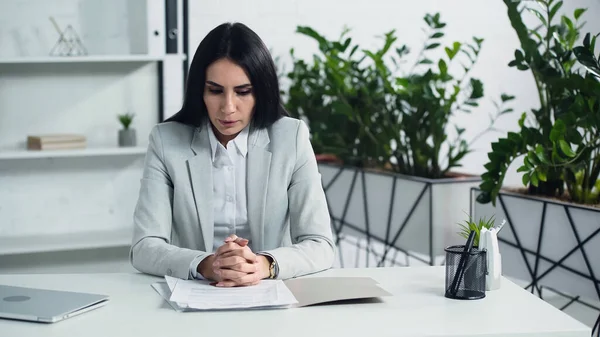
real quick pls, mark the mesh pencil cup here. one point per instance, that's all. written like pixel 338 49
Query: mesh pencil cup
pixel 465 273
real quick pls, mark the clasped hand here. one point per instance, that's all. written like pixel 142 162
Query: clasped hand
pixel 234 264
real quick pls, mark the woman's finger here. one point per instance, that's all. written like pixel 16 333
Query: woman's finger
pixel 245 253
pixel 243 266
pixel 228 261
pixel 247 280
pixel 231 238
pixel 228 247
pixel 237 239
pixel 229 274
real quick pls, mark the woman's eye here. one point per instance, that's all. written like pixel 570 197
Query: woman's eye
pixel 215 91
pixel 244 92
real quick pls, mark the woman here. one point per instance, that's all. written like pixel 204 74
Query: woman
pixel 230 190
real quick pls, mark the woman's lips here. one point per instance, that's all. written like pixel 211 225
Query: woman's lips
pixel 227 123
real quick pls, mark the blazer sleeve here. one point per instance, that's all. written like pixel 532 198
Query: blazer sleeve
pixel 151 251
pixel 312 248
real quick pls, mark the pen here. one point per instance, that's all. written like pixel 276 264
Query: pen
pixel 462 263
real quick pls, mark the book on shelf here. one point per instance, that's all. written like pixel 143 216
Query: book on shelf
pixel 56 142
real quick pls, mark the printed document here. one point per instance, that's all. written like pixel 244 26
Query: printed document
pixel 200 295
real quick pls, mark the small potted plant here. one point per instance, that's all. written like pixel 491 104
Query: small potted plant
pixel 127 135
pixel 471 225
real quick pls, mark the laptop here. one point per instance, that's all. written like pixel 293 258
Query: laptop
pixel 47 306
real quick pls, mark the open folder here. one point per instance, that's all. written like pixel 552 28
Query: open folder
pixel 197 295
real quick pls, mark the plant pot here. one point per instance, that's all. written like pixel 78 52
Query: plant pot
pixel 127 137
pixel 547 243
pixel 416 216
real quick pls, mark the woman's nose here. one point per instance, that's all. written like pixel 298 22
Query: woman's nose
pixel 228 104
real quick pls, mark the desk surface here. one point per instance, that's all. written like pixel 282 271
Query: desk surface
pixel 418 308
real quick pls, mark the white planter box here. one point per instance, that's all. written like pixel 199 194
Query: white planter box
pixel 547 243
pixel 416 216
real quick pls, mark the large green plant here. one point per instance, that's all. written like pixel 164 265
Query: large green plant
pixel 576 135
pixel 341 96
pixel 427 99
pixel 361 107
pixel 567 114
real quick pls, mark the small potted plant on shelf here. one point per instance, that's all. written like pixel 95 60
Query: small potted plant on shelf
pixel 127 136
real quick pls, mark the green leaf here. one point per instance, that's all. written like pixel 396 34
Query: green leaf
pixel 477 89
pixel 522 119
pixel 533 159
pixel 554 10
pixel 402 82
pixel 426 61
pixel 534 179
pixel 587 59
pixel 558 130
pixel 586 40
pixel 526 179
pixel 443 66
pixel 539 15
pixel 568 23
pixel 578 12
pixel 437 35
pixel 541 154
pixel 541 174
pixel 519 55
pixel 523 169
pixel 432 46
pixel 506 98
pixel 527 163
pixel 564 147
pixel 515 137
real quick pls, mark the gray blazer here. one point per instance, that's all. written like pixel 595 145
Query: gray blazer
pixel 287 211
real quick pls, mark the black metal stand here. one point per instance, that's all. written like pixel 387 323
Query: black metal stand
pixel 533 271
pixel 390 243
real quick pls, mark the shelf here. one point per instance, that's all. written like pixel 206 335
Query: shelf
pixel 13 245
pixel 89 152
pixel 88 59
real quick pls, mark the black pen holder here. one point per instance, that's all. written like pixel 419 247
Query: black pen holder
pixel 465 273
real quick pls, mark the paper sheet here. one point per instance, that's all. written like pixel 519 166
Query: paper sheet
pixel 199 294
pixel 163 290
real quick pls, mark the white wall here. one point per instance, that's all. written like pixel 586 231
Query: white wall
pixel 275 21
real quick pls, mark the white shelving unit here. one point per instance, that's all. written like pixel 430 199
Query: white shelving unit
pixel 90 152
pixel 83 59
pixel 65 205
pixel 64 242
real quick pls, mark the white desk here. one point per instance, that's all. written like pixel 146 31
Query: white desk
pixel 418 308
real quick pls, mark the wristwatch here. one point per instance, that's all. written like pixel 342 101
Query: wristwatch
pixel 273 269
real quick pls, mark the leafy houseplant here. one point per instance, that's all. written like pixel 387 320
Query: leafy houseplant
pixel 361 108
pixel 127 135
pixel 470 226
pixel 560 143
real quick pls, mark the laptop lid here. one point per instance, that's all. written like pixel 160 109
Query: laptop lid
pixel 42 305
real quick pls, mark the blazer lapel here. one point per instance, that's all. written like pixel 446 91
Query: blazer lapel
pixel 200 171
pixel 259 164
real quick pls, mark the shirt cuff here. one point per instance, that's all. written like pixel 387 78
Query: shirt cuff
pixel 194 274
